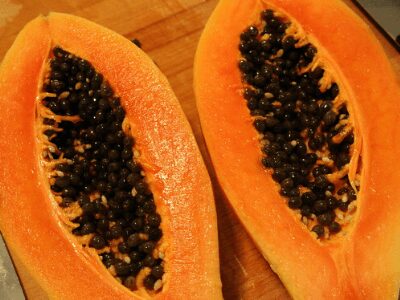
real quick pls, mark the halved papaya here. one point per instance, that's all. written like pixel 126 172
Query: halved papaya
pixel 103 192
pixel 298 106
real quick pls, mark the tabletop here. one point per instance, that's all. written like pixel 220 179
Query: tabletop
pixel 169 31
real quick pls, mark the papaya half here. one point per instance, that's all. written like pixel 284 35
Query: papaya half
pixel 299 109
pixel 103 191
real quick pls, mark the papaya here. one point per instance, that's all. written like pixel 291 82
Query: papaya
pixel 103 193
pixel 298 107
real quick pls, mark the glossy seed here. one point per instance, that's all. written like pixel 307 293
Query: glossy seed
pixel 319 230
pixel 157 271
pixel 147 247
pixel 334 227
pixel 320 206
pixel 97 242
pixel 149 282
pixel 295 202
pixel 130 282
pixel 154 220
pixel 326 218
pixel 122 268
pixel 134 240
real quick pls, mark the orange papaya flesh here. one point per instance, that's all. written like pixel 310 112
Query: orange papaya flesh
pixel 318 252
pixel 48 219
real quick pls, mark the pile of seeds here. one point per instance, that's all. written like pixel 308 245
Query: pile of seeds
pixel 101 188
pixel 305 128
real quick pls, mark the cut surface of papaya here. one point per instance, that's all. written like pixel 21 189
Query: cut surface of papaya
pixel 103 192
pixel 297 103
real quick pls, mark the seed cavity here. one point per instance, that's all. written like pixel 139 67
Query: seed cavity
pixel 307 135
pixel 92 164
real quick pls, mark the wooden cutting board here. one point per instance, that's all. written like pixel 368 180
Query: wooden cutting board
pixel 169 31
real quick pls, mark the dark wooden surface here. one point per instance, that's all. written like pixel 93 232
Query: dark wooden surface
pixel 169 31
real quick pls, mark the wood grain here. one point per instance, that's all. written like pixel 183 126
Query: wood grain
pixel 169 31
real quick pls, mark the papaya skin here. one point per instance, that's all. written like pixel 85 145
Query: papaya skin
pixel 29 216
pixel 364 263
